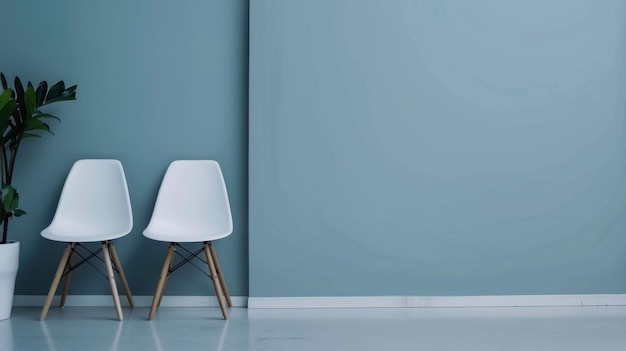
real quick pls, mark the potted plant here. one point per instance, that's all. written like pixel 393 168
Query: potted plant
pixel 21 117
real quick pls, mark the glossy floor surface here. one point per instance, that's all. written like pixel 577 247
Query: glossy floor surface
pixel 441 329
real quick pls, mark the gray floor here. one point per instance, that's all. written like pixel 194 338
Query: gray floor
pixel 441 329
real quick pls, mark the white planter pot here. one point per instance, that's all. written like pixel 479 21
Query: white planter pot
pixel 9 262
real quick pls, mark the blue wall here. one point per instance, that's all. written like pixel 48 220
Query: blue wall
pixel 396 147
pixel 157 81
pixel 437 147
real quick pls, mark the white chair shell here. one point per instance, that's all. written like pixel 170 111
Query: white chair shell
pixel 192 206
pixel 94 206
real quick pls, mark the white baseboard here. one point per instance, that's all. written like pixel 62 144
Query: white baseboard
pixel 438 301
pixel 140 301
pixel 343 301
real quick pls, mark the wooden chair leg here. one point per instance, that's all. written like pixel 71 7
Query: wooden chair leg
pixel 216 280
pixel 218 268
pixel 120 272
pixel 158 294
pixel 56 280
pixel 167 278
pixel 111 276
pixel 68 278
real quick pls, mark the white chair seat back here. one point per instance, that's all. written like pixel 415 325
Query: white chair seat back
pixel 192 204
pixel 94 203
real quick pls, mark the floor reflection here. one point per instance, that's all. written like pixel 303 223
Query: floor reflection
pixel 6 335
pixel 50 338
pixel 159 345
pixel 484 329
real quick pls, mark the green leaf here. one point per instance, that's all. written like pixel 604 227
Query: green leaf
pixel 30 100
pixel 18 212
pixel 7 106
pixel 35 124
pixel 8 193
pixel 65 95
pixel 56 90
pixel 19 88
pixel 39 114
pixel 6 94
pixel 3 79
pixel 30 135
pixel 15 201
pixel 19 98
pixel 42 92
pixel 6 110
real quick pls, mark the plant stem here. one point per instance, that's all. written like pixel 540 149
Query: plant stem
pixel 5 166
pixel 3 175
pixel 12 163
pixel 5 230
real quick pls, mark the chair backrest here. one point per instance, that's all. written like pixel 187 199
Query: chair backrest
pixel 193 199
pixel 94 201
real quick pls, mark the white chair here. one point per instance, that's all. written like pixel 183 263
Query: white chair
pixel 191 206
pixel 94 207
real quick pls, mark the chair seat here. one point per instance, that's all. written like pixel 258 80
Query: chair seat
pixel 174 232
pixel 82 235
